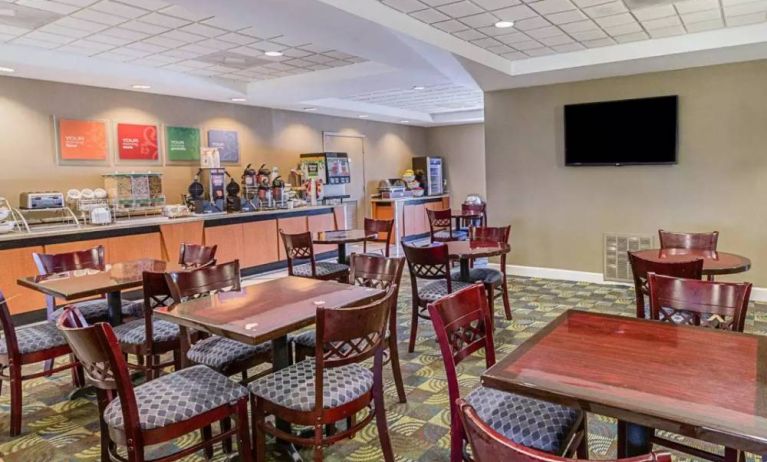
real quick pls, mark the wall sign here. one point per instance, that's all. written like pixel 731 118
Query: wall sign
pixel 82 140
pixel 183 144
pixel 228 144
pixel 137 142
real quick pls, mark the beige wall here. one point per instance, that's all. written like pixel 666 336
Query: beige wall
pixel 559 213
pixel 275 137
pixel 463 148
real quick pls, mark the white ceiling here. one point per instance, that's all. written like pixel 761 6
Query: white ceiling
pixel 364 57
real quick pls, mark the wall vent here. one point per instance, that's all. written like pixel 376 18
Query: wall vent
pixel 616 265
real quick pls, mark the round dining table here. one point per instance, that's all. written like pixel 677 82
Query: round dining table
pixel 714 262
pixel 466 251
pixel 341 238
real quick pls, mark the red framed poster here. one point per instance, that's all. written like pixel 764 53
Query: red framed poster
pixel 137 142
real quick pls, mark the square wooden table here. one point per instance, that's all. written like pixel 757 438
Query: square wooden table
pixel 696 382
pixel 109 281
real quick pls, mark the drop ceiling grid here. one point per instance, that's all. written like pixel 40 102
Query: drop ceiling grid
pixel 158 34
pixel 433 99
pixel 558 26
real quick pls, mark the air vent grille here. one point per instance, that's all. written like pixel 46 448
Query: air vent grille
pixel 616 265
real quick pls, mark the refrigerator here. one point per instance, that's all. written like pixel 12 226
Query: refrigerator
pixel 430 172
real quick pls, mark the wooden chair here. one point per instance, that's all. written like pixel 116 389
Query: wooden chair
pixel 431 263
pixel 158 411
pixel 691 269
pixel 195 256
pixel 369 270
pixel 463 324
pixel 95 309
pixel 221 354
pixel 28 345
pixel 441 226
pixel 149 338
pixel 299 247
pixel 487 445
pixel 491 277
pixel 334 385
pixel 378 226
pixel 700 241
pixel 475 208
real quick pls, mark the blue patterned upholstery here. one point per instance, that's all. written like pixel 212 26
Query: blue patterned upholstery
pixel 486 275
pixel 323 268
pixel 435 290
pixel 526 421
pixel 134 332
pixel 293 387
pixel 97 309
pixel 306 339
pixel 218 352
pixel 35 337
pixel 177 397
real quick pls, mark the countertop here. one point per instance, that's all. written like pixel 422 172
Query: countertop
pixel 409 199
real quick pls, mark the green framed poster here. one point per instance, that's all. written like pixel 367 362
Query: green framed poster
pixel 183 144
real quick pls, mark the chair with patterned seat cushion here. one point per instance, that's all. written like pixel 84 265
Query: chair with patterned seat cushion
pixel 463 324
pixel 222 354
pixel 698 241
pixel 195 255
pixel 376 226
pixel 640 268
pixel 160 410
pixel 490 444
pixel 441 226
pixel 491 277
pixel 479 209
pixel 300 247
pixel 334 385
pixel 28 345
pixel 431 263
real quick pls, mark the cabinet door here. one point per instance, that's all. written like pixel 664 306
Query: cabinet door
pixel 229 239
pixel 261 243
pixel 173 235
pixel 291 225
pixel 18 263
pixel 445 202
pixel 136 247
pixel 324 222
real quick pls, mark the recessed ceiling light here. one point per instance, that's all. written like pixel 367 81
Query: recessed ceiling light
pixel 404 121
pixel 141 87
pixel 273 53
pixel 363 116
pixel 418 87
pixel 504 24
pixel 7 69
pixel 310 109
pixel 239 100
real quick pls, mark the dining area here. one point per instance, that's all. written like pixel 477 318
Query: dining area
pixel 427 351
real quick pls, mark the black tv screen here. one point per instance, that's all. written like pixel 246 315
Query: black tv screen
pixel 628 132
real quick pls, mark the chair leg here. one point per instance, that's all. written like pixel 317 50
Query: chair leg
pixel 1 380
pixel 176 360
pixel 413 327
pixel 490 299
pixel 318 443
pixel 506 303
pixel 383 428
pixel 257 422
pixel 47 367
pixel 395 368
pixel 15 371
pixel 457 436
pixel 103 399
pixel 226 444
pixel 243 432
pixel 207 434
pixel 583 447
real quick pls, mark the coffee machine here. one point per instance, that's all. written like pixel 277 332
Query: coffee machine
pixel 207 193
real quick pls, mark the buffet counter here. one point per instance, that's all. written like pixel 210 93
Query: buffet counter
pixel 251 237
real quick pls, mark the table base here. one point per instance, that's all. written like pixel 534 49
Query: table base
pixel 633 439
pixel 115 308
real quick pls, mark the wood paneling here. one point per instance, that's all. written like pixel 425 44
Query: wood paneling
pixel 291 225
pixel 17 263
pixel 260 243
pixel 415 219
pixel 173 235
pixel 76 246
pixel 126 248
pixel 324 222
pixel 340 216
pixel 445 202
pixel 229 239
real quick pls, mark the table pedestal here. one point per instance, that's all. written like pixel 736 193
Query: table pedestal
pixel 633 439
pixel 115 308
pixel 342 253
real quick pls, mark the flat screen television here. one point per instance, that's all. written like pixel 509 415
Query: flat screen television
pixel 628 132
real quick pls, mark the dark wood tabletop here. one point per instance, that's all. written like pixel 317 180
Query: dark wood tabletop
pixel 697 382
pixel 343 236
pixel 714 262
pixel 73 285
pixel 467 214
pixel 265 311
pixel 463 250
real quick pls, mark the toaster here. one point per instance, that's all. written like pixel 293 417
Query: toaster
pixel 41 200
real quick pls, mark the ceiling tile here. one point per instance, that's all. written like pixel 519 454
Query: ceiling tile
pixel 76 50
pixel 479 20
pixel 597 43
pixel 450 26
pixel 149 4
pixel 158 60
pixel 91 45
pixel 47 37
pixel 654 12
pixel 527 45
pixel 550 31
pixel 588 3
pixel 579 26
pixel 35 43
pixel 405 6
pixel 227 24
pixel 745 19
pixel 662 23
pixel 80 3
pixel 531 23
pixel 667 31
pixel 470 34
pixel 588 35
pixel 704 25
pixel 65 31
pixel 146 46
pixel 500 49
pixel 486 42
pixel 552 6
pixel 615 20
pixel 516 13
pixel 202 29
pixel 623 29
pixel 47 5
pixel 118 9
pixel 80 24
pixel 164 42
pixel 165 21
pixel 179 54
pixel 97 16
pixel 460 9
pixel 182 36
pixel 566 17
pixel 691 6
pixel 566 48
pixel 429 16
pixel 144 27
pixel 515 56
pixel 13 30
pixel 560 39
pixel 216 44
pixel 183 13
pixel 239 39
pixel 759 6
pixel 702 16
pixel 127 34
pixel 108 39
pixel 516 37
pixel 605 10
pixel 540 52
pixel 635 37
pixel 496 4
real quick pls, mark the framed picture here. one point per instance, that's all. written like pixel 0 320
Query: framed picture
pixel 182 145
pixel 81 142
pixel 138 144
pixel 227 143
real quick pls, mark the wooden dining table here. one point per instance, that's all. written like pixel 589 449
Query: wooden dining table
pixel 700 383
pixel 714 262
pixel 341 238
pixel 466 251
pixel 264 312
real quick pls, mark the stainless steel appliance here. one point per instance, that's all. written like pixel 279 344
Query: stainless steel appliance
pixel 391 189
pixel 429 171
pixel 41 200
pixel 331 169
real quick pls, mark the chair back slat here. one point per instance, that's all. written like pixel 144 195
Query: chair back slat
pixel 719 305
pixel 9 330
pixel 204 281
pixel 194 255
pixel 439 219
pixel 698 241
pixel 298 247
pixel 428 262
pixel 487 445
pixel 70 261
pixel 379 226
pixel 475 208
pixel 376 271
pixel 489 233
pixel 640 268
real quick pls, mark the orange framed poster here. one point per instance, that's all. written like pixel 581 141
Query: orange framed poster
pixel 82 141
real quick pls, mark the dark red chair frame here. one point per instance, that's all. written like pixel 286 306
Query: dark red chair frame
pixel 495 234
pixel 195 255
pixel 441 220
pixel 300 247
pixel 476 208
pixel 379 226
pixel 677 240
pixel 640 268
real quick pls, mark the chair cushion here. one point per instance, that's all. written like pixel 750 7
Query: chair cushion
pixel 486 275
pixel 458 235
pixel 219 352
pixel 134 332
pixel 97 309
pixel 526 421
pixel 306 339
pixel 177 397
pixel 437 289
pixel 293 387
pixel 35 337
pixel 323 268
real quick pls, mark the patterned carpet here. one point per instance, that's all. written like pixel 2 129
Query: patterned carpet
pixel 55 429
